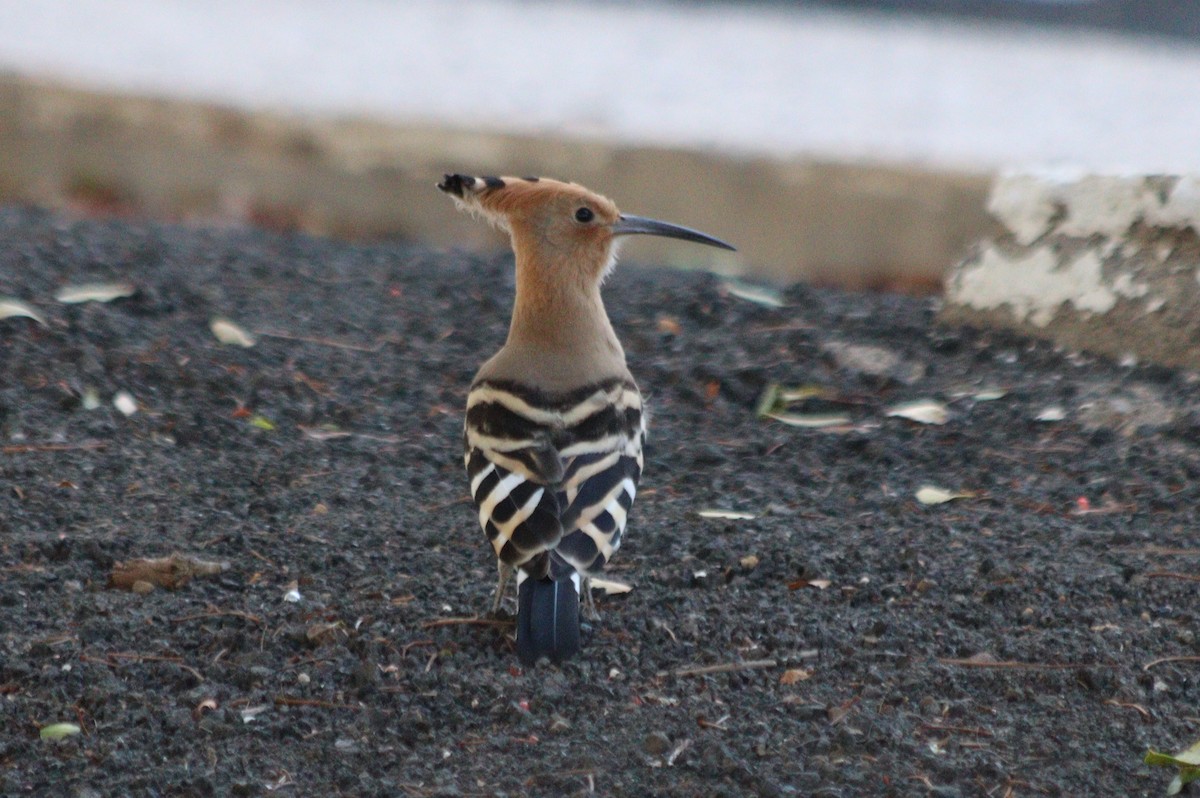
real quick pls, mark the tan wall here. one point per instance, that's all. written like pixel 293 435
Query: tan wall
pixel 854 225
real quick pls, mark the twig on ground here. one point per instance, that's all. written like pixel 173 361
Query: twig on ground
pixel 1166 551
pixel 727 667
pixel 975 732
pixel 1141 710
pixel 218 613
pixel 307 339
pixel 119 655
pixel 1172 575
pixel 781 328
pixel 433 508
pixel 1164 660
pixel 1027 666
pixel 466 622
pixel 404 649
pixel 288 701
pixel 719 724
pixel 22 448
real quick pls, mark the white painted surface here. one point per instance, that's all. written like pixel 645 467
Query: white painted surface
pixel 755 80
pixel 1094 204
pixel 1034 285
pixel 1034 278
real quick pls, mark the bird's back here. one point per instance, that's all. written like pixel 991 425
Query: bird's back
pixel 554 476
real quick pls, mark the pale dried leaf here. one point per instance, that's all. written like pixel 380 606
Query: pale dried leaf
pixel 611 587
pixel 799 393
pixel 669 326
pixel 1052 413
pixel 93 292
pixel 793 675
pixel 124 402
pixel 325 433
pixel 923 411
pixel 810 420
pixel 171 572
pixel 229 333
pixel 16 309
pixel 1190 755
pixel 819 584
pixel 57 731
pixel 728 515
pixel 758 294
pixel 990 394
pixel 930 494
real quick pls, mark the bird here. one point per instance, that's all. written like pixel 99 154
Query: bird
pixel 555 427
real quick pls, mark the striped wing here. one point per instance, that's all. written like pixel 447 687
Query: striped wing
pixel 554 474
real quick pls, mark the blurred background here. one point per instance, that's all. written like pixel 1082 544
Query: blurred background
pixel 847 143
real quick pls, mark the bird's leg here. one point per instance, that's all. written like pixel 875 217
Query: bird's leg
pixel 589 605
pixel 506 571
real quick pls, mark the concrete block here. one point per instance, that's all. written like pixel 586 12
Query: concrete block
pixel 1104 263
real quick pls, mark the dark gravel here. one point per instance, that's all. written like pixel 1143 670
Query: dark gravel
pixel 224 688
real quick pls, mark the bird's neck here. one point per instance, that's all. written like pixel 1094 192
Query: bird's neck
pixel 562 326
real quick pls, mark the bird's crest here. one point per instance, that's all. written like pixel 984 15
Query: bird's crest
pixel 498 198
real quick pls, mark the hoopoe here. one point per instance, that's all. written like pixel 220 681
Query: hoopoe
pixel 554 424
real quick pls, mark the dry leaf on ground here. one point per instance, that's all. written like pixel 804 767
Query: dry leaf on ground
pixel 93 292
pixel 793 675
pixel 923 411
pixel 611 587
pixel 227 332
pixel 16 309
pixel 728 515
pixel 170 572
pixel 930 494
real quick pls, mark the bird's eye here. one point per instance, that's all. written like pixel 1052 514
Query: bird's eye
pixel 584 215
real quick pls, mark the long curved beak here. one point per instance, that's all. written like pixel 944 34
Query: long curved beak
pixel 640 225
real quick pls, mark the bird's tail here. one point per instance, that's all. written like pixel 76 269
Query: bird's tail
pixel 547 618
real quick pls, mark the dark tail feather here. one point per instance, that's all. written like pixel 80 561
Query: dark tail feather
pixel 547 620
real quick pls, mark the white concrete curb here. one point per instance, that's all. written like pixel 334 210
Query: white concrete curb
pixel 1106 263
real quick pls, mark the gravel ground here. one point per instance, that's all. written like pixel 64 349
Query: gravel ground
pixel 847 640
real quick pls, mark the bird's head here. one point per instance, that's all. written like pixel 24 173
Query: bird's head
pixel 561 225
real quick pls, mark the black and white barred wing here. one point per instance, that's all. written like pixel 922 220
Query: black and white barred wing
pixel 554 473
pixel 514 472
